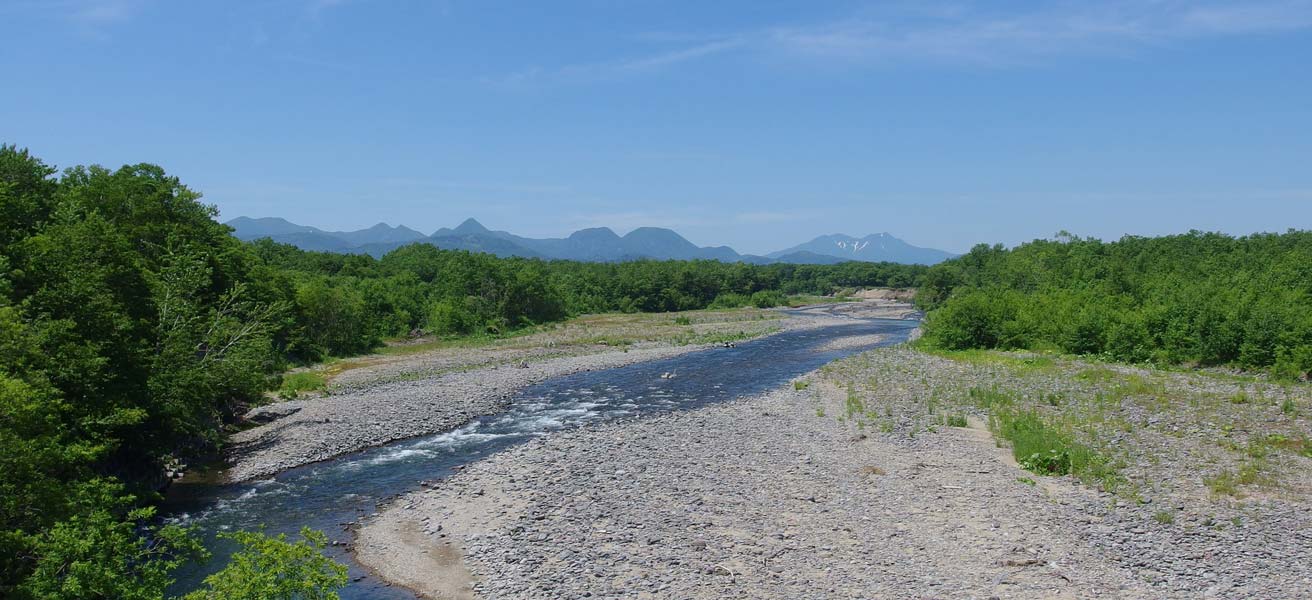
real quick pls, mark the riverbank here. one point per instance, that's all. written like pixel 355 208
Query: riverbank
pixel 374 400
pixel 855 487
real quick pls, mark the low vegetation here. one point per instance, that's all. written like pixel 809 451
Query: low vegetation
pixel 1134 432
pixel 295 384
pixel 1193 299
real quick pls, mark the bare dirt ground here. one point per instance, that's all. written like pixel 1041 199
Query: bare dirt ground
pixel 795 495
pixel 898 294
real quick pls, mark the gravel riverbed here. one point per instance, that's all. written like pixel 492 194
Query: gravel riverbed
pixel 774 497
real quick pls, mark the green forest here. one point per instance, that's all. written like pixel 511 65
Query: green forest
pixel 134 328
pixel 1197 299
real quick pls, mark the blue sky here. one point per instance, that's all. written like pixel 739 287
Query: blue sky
pixel 755 124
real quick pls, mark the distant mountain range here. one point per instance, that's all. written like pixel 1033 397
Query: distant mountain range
pixel 598 244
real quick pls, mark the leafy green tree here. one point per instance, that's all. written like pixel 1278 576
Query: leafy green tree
pixel 333 317
pixel 272 568
pixel 102 553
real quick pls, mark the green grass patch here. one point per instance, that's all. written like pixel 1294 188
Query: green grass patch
pixel 477 340
pixel 718 337
pixel 1228 482
pixel 957 421
pixel 989 398
pixel 1300 444
pixel 295 384
pixel 1020 363
pixel 1049 448
pixel 607 340
pixel 1097 375
pixel 809 299
pixel 1137 385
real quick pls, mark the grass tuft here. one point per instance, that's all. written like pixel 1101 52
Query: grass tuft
pixel 295 384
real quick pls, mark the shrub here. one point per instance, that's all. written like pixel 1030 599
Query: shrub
pixel 768 299
pixel 730 300
pixel 975 320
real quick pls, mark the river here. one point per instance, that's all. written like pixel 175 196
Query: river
pixel 331 494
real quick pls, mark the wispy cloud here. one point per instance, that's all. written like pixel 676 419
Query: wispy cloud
pixel 101 12
pixel 88 13
pixel 621 67
pixel 972 33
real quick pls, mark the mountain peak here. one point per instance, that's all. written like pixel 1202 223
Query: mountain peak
pixel 595 234
pixel 248 228
pixel 470 226
pixel 873 247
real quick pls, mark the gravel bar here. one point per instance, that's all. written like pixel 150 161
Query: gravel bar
pixel 774 497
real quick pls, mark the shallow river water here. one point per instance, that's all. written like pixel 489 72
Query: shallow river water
pixel 329 494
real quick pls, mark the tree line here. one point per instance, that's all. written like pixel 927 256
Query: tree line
pixel 134 328
pixel 1197 298
pixel 346 303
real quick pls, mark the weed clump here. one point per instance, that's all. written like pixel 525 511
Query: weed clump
pixel 853 406
pixel 1287 407
pixel 1048 448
